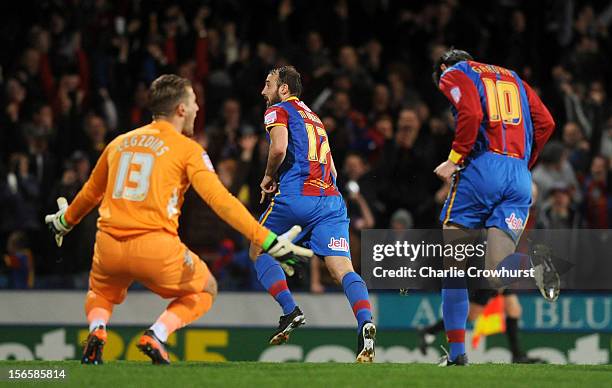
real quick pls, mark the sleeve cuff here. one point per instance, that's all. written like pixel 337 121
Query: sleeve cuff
pixel 455 157
pixel 268 241
pixel 65 222
pixel 270 126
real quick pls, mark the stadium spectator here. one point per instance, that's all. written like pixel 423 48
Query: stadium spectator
pixel 43 162
pixel 576 147
pixel 598 195
pixel 606 139
pixel 381 129
pixel 223 133
pixel 405 169
pixel 381 102
pixel 559 212
pixel 18 262
pixel 401 219
pixel 554 169
pixel 359 180
pixel 20 195
pixel 360 196
pixel 13 139
pixel 441 137
pixel 317 63
pixel 96 131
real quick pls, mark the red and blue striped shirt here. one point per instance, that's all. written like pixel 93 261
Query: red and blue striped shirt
pixel 307 168
pixel 494 111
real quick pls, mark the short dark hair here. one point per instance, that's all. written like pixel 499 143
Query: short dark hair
pixel 290 76
pixel 166 92
pixel 449 58
pixel 552 153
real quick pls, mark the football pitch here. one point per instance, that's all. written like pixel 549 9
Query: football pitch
pixel 256 374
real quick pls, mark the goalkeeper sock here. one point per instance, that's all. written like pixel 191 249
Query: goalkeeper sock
pixel 181 312
pixel 357 294
pixel 160 330
pixel 98 310
pixel 271 276
pixel 93 325
pixel 455 307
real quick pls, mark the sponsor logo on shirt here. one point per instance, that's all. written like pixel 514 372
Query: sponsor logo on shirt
pixel 456 94
pixel 270 118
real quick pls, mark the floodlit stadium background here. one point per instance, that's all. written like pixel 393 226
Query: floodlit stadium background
pixel 74 75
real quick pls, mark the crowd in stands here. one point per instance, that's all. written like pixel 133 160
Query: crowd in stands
pixel 74 74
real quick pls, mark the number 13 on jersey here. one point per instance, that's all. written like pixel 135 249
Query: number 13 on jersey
pixel 133 175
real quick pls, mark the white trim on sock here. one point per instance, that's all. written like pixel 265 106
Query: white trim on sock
pixel 95 323
pixel 160 330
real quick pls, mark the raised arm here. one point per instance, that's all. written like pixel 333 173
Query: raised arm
pixel 90 195
pixel 92 192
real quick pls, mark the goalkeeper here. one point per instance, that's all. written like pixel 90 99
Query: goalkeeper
pixel 140 180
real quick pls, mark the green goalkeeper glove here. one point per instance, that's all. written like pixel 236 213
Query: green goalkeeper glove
pixel 57 223
pixel 282 249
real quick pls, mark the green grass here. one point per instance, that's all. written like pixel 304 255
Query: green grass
pixel 117 374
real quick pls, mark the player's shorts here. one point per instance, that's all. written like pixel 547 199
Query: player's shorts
pixel 158 260
pixel 324 222
pixel 492 191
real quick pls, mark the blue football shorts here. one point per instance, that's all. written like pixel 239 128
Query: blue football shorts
pixel 324 222
pixel 492 191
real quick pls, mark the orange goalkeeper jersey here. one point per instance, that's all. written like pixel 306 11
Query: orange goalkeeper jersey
pixel 141 178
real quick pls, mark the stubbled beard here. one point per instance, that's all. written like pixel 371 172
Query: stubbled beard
pixel 275 100
pixel 188 131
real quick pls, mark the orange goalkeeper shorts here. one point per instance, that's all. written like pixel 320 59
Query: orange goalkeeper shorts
pixel 158 260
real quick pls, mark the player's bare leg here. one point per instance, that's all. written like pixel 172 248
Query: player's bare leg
pixel 500 247
pixel 180 312
pixel 341 270
pixel 271 276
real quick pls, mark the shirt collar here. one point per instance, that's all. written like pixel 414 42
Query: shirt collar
pixel 292 98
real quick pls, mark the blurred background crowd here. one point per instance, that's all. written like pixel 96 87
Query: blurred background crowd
pixel 74 74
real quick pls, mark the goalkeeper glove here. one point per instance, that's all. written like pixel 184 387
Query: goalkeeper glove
pixel 57 223
pixel 287 253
